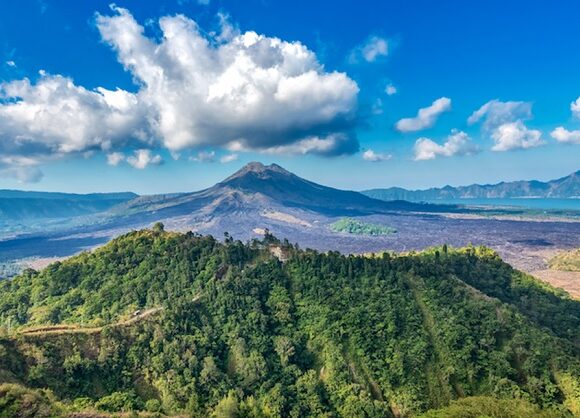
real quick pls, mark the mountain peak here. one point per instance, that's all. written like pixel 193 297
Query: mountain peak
pixel 258 169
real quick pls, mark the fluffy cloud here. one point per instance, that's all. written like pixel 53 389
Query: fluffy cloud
pixel 374 48
pixel 115 158
pixel 331 145
pixel 142 158
pixel 426 117
pixel 504 123
pixel 390 90
pixel 23 169
pixel 563 135
pixel 515 135
pixel 377 107
pixel 194 91
pixel 204 157
pixel 210 157
pixel 458 143
pixel 248 88
pixel 228 158
pixel 23 174
pixel 495 113
pixel 575 108
pixel 54 117
pixel 370 155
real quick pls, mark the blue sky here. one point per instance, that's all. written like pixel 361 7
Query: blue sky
pixel 316 103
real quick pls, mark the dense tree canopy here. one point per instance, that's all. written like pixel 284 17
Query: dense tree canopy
pixel 354 226
pixel 180 323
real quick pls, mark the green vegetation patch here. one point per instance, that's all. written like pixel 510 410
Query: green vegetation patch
pixel 353 226
pixel 477 407
pixel 566 261
pixel 237 333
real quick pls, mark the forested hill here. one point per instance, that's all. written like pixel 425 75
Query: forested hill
pixel 183 324
pixel 565 187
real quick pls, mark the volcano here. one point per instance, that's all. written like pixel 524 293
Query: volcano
pixel 257 187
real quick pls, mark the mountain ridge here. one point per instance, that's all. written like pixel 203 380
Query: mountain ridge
pixel 18 205
pixel 564 187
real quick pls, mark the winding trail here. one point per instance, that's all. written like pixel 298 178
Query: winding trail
pixel 75 329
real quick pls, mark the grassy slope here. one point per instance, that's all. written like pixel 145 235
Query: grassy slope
pixel 566 261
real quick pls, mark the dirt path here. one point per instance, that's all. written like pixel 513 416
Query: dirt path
pixel 75 329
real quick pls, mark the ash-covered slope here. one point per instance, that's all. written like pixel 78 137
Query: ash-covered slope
pixel 260 187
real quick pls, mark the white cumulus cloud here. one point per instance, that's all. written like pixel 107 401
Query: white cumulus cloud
pixel 563 135
pixel 142 158
pixel 495 113
pixel 372 156
pixel 24 169
pixel 249 88
pixel 228 158
pixel 426 117
pixel 194 90
pixel 504 123
pixel 54 117
pixel 374 48
pixel 458 143
pixel 204 157
pixel 575 108
pixel 330 145
pixel 515 135
pixel 115 158
pixel 390 90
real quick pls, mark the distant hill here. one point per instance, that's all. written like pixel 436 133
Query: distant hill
pixel 17 205
pixel 184 325
pixel 565 187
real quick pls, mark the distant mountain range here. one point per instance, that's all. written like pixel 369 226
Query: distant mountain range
pixel 17 205
pixel 565 187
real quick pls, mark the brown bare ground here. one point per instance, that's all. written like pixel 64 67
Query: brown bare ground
pixel 74 329
pixel 567 280
pixel 285 217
